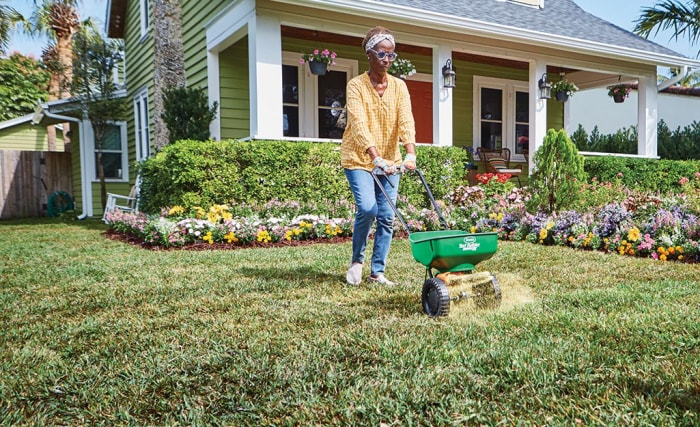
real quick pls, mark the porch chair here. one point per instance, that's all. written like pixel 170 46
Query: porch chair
pixel 128 203
pixel 498 161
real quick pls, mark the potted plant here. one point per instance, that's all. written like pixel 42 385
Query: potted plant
pixel 619 92
pixel 319 60
pixel 402 68
pixel 563 89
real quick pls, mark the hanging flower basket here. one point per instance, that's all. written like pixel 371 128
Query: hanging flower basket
pixel 619 92
pixel 318 68
pixel 563 89
pixel 402 68
pixel 319 60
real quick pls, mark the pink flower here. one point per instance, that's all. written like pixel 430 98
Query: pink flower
pixel 315 51
pixel 683 180
pixel 620 175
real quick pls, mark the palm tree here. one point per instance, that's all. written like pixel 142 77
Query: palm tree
pixel 9 17
pixel 59 20
pixel 682 18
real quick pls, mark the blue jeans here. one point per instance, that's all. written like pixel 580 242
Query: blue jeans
pixel 371 204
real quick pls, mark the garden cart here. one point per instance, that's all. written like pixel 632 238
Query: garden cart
pixel 450 258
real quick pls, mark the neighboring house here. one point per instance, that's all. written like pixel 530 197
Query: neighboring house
pixel 246 54
pixel 677 106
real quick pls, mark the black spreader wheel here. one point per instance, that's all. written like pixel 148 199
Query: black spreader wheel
pixel 436 298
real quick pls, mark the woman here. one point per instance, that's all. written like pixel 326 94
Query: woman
pixel 379 122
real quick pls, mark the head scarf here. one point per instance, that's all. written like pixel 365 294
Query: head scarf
pixel 378 38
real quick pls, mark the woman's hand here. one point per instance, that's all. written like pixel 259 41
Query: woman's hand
pixel 382 164
pixel 409 163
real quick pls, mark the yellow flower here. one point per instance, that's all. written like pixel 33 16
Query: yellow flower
pixel 288 235
pixel 633 234
pixel 264 236
pixel 208 237
pixel 550 225
pixel 543 234
pixel 176 210
pixel 231 237
pixel 679 249
pixel 473 229
pixel 662 257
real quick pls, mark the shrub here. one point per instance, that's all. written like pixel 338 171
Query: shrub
pixel 236 173
pixel 558 174
pixel 641 174
pixel 187 114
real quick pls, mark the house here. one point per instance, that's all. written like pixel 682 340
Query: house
pixel 677 107
pixel 245 53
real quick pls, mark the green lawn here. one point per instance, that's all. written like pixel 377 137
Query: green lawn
pixel 98 332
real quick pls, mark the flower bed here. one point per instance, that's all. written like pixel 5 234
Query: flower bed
pixel 637 224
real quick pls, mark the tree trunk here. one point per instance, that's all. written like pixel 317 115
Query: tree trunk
pixel 169 62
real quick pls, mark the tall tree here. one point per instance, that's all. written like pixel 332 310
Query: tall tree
pixel 8 18
pixel 683 18
pixel 96 60
pixel 59 20
pixel 23 82
pixel 169 62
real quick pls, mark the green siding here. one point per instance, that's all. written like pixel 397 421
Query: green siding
pixel 28 137
pixel 234 95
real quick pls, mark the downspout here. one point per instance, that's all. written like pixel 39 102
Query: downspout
pixel 86 195
pixel 672 81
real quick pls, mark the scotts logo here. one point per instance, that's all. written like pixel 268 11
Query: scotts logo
pixel 469 244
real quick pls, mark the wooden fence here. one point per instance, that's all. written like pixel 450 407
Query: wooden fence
pixel 28 178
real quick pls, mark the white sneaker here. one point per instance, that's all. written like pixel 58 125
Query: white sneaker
pixel 381 279
pixel 354 274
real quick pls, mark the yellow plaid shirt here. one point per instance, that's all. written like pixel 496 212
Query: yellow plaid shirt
pixel 383 122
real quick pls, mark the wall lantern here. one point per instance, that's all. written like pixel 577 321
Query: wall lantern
pixel 448 74
pixel 545 87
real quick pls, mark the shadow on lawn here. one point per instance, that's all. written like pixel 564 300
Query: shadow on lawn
pixel 395 301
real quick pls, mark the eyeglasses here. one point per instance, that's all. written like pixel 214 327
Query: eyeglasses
pixel 388 55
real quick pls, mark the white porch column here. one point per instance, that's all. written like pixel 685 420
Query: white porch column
pixel 538 110
pixel 214 93
pixel 647 113
pixel 442 103
pixel 265 69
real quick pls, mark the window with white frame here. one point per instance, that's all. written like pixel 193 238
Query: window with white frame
pixel 501 115
pixel 145 20
pixel 314 106
pixel 114 153
pixel 143 145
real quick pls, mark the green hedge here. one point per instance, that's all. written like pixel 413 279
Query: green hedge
pixel 641 174
pixel 196 173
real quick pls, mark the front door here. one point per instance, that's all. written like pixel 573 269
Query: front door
pixel 422 106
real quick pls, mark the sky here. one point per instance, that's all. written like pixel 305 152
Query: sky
pixel 95 9
pixel 622 13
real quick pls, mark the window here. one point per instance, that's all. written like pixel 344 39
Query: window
pixel 314 106
pixel 143 146
pixel 501 114
pixel 145 21
pixel 114 158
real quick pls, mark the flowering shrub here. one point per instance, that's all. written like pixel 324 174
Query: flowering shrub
pixel 629 223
